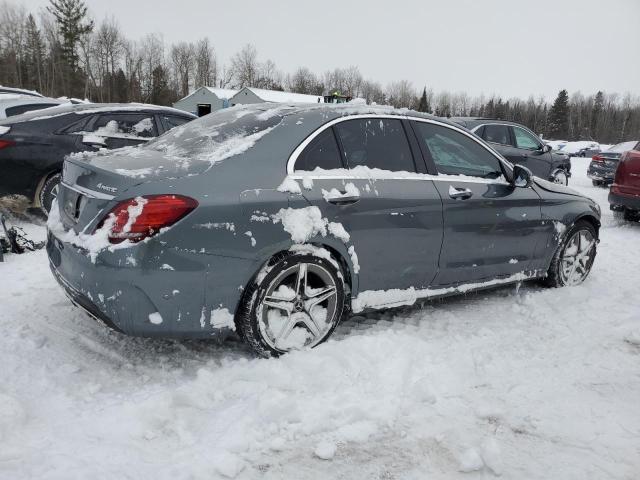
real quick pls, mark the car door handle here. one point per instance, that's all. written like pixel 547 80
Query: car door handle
pixel 344 199
pixel 459 193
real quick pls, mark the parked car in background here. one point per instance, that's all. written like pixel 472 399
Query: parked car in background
pixel 521 146
pixel 282 216
pixel 33 145
pixel 19 91
pixel 12 104
pixel 589 151
pixel 624 194
pixel 602 168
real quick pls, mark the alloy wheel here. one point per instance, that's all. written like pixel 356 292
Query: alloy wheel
pixel 299 307
pixel 577 257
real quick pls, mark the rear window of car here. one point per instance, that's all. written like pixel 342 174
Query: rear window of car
pixel 217 136
pixel 623 147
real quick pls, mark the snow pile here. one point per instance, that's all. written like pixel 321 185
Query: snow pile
pixel 289 185
pixel 529 383
pixel 350 190
pixel 305 223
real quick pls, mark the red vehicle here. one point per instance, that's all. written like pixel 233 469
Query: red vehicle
pixel 624 195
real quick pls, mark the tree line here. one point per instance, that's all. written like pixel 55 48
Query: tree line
pixel 62 51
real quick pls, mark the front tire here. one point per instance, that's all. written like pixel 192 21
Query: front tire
pixel 574 256
pixel 560 177
pixel 296 305
pixel 49 192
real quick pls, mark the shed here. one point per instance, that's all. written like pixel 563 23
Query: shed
pixel 259 95
pixel 205 100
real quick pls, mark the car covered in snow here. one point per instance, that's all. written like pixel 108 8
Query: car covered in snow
pixel 277 220
pixel 624 194
pixel 602 168
pixel 14 104
pixel 520 145
pixel 33 145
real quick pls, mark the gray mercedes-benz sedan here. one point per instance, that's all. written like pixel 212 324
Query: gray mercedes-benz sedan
pixel 278 220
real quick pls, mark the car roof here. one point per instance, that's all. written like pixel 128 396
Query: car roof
pixel 471 122
pixel 8 100
pixel 90 108
pixel 19 91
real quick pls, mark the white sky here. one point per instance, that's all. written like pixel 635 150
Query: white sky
pixel 506 47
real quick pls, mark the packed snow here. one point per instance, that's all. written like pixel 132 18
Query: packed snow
pixel 521 382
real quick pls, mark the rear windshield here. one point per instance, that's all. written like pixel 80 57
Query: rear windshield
pixel 216 136
pixel 622 147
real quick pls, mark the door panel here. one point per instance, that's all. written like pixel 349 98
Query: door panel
pixel 528 154
pixel 490 234
pixel 395 228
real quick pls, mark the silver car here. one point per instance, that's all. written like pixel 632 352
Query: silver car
pixel 277 221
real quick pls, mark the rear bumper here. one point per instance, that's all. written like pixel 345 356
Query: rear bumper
pixel 597 172
pixel 124 288
pixel 624 202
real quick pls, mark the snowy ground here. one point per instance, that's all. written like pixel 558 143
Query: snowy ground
pixel 528 383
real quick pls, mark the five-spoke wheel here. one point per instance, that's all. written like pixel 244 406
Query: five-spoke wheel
pixel 574 256
pixel 296 305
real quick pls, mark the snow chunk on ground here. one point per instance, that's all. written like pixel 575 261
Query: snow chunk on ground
pixel 471 461
pixel 325 450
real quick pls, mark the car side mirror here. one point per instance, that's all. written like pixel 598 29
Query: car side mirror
pixel 546 148
pixel 522 176
pixel 95 141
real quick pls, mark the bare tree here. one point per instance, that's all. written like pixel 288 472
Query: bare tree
pixel 245 68
pixel 205 63
pixel 304 80
pixel 372 92
pixel 402 94
pixel 183 56
pixel 152 57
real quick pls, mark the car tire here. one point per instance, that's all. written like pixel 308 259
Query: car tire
pixel 49 192
pixel 288 287
pixel 631 215
pixel 596 183
pixel 570 256
pixel 560 177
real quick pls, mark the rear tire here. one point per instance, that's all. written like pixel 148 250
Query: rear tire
pixel 596 183
pixel 296 305
pixel 631 216
pixel 49 192
pixel 573 259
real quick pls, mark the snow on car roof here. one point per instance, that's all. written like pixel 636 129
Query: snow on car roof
pixel 20 91
pixel 11 99
pixel 90 108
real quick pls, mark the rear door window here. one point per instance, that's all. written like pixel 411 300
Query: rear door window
pixel 497 134
pixel 375 143
pixel 125 125
pixel 171 121
pixel 322 153
pixel 455 153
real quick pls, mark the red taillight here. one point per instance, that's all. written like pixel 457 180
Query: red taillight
pixel 6 143
pixel 597 158
pixel 142 217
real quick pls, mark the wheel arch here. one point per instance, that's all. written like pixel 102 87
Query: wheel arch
pixel 40 186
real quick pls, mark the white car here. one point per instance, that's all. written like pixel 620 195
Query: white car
pixel 12 104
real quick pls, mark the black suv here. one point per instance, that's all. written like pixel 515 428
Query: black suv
pixel 33 145
pixel 521 146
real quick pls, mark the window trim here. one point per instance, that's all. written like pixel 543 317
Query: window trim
pixel 412 176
